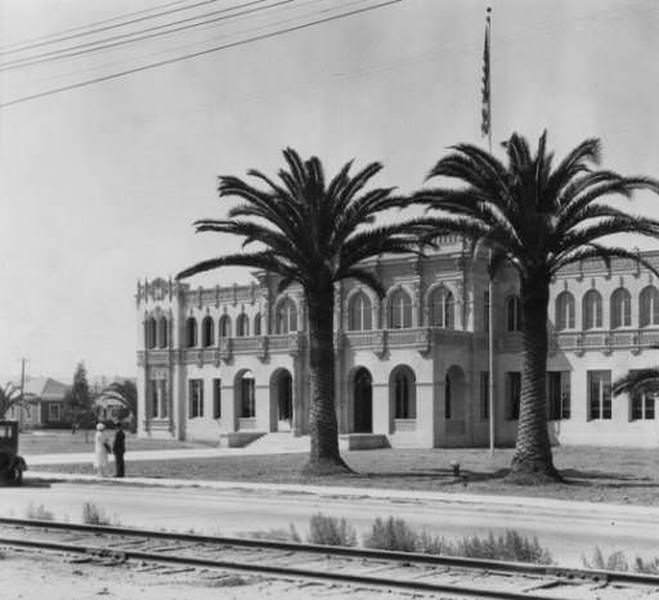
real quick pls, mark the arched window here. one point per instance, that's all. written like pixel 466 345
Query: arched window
pixel 163 332
pixel 286 318
pixel 242 325
pixel 400 310
pixel 564 311
pixel 207 332
pixel 191 332
pixel 359 313
pixel 513 314
pixel 592 310
pixel 442 309
pixel 621 308
pixel 403 392
pixel 225 326
pixel 150 333
pixel 648 306
pixel 257 324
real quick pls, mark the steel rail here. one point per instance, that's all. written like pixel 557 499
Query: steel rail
pixel 346 578
pixel 595 575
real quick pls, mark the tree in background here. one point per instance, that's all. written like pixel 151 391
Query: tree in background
pixel 10 395
pixel 124 392
pixel 537 219
pixel 79 399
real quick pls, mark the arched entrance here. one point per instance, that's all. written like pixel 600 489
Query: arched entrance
pixel 281 400
pixel 244 399
pixel 362 401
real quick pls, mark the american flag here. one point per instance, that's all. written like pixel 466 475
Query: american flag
pixel 486 109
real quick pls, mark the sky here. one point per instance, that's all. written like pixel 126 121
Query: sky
pixel 99 185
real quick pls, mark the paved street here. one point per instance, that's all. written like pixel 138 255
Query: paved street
pixel 567 528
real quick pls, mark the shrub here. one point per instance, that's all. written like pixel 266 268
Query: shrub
pixel 397 535
pixel 331 531
pixel 511 546
pixel 40 513
pixel 617 561
pixel 93 515
pixel 392 534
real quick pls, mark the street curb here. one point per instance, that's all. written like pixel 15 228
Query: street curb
pixel 353 492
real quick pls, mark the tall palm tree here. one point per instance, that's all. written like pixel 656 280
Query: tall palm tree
pixel 313 233
pixel 537 219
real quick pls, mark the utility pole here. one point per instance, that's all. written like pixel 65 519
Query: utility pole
pixel 22 396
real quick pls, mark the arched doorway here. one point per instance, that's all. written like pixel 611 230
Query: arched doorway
pixel 281 400
pixel 245 399
pixel 362 395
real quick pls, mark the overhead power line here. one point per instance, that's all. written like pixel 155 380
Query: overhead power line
pixel 97 26
pixel 136 36
pixel 169 61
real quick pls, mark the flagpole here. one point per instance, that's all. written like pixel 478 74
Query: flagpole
pixel 486 127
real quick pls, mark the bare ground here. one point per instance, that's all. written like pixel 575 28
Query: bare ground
pixel 28 575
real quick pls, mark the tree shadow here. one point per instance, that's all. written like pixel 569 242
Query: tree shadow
pixel 604 475
pixel 31 483
pixel 445 474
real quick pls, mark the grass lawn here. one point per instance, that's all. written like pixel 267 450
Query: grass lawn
pixel 63 441
pixel 592 474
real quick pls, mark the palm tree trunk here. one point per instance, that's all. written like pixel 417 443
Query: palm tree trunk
pixel 532 461
pixel 324 457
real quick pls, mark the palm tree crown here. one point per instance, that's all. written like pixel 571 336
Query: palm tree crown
pixel 538 219
pixel 312 232
pixel 532 216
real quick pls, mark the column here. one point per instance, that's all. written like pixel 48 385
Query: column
pixel 381 408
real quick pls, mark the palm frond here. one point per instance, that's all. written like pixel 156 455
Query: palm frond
pixel 266 260
pixel 365 277
pixel 637 382
pixel 602 252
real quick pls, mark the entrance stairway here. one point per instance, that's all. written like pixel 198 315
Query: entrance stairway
pixel 284 442
pixel 279 442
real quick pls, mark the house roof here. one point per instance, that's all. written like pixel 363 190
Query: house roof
pixel 46 388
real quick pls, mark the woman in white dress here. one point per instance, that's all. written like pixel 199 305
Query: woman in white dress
pixel 101 447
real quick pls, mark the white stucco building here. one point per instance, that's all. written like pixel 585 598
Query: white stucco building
pixel 231 360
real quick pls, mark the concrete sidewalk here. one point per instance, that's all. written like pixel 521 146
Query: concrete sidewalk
pixel 606 511
pixel 67 458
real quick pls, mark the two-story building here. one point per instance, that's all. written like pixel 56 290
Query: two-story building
pixel 412 367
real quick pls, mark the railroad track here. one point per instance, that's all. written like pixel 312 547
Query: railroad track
pixel 460 577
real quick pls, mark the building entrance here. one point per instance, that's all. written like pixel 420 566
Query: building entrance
pixel 363 402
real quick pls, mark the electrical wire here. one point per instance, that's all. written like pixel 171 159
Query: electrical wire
pixel 249 40
pixel 61 37
pixel 90 47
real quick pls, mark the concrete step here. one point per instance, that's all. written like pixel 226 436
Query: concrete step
pixel 285 442
pixel 280 442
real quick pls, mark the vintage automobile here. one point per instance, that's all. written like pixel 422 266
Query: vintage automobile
pixel 11 464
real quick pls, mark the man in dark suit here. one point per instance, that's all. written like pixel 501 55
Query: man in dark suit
pixel 119 449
